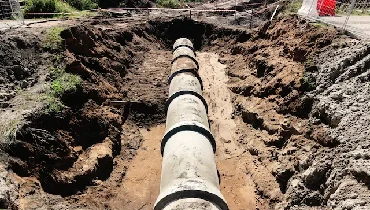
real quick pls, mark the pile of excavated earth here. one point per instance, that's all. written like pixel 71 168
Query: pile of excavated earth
pixel 289 106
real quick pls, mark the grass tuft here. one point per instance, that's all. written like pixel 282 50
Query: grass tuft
pixel 65 83
pixel 8 131
pixel 174 3
pixel 47 6
pixel 52 40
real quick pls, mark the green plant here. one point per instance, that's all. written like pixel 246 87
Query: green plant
pixel 47 6
pixel 174 3
pixel 52 104
pixel 308 82
pixel 319 24
pixel 83 4
pixel 65 83
pixel 56 72
pixel 169 3
pixel 52 40
pixel 9 130
pixel 293 6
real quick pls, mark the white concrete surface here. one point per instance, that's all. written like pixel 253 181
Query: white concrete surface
pixel 359 25
pixel 189 166
pixel 308 8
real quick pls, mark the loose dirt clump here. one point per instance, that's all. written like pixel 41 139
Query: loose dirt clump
pixel 21 55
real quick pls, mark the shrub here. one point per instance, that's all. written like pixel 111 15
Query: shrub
pixel 52 40
pixel 83 4
pixel 169 3
pixel 173 3
pixel 65 83
pixel 47 6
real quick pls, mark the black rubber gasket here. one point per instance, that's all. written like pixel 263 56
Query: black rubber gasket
pixel 186 56
pixel 193 71
pixel 185 92
pixel 183 45
pixel 191 127
pixel 207 196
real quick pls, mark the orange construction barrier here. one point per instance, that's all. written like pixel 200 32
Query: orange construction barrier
pixel 326 7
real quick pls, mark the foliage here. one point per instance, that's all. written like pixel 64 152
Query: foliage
pixel 9 130
pixel 65 83
pixel 83 4
pixel 62 83
pixel 308 82
pixel 169 3
pixel 174 3
pixel 53 104
pixel 293 6
pixel 47 6
pixel 52 40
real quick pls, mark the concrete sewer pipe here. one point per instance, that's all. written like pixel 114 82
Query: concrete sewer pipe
pixel 190 179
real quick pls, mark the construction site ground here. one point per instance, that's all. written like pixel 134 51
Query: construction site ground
pixel 289 106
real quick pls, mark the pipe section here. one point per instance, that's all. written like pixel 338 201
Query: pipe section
pixel 189 175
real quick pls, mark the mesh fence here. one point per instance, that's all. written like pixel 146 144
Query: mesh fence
pixel 351 15
pixel 11 14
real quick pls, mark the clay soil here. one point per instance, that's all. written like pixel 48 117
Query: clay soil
pixel 277 133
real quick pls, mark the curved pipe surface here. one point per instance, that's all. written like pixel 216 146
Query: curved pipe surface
pixel 189 175
pixel 183 42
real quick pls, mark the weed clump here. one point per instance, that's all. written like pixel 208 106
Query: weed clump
pixel 47 6
pixel 65 83
pixel 173 3
pixel 61 82
pixel 52 40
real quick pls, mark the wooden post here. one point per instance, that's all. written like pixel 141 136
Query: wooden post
pixel 236 3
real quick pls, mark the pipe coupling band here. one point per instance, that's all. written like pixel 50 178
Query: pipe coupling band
pixel 185 92
pixel 192 71
pixel 207 196
pixel 186 56
pixel 182 45
pixel 191 127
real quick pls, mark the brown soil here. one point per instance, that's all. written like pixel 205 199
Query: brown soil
pixel 96 155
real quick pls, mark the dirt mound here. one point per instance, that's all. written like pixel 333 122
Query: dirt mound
pixel 282 78
pixel 21 55
pixel 69 150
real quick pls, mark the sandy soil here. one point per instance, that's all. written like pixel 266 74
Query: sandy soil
pixel 231 158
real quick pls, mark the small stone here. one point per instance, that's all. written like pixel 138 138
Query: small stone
pixel 24 84
pixel 226 140
pixel 354 109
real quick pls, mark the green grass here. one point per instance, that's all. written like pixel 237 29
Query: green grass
pixel 52 104
pixel 61 81
pixel 169 3
pixel 47 6
pixel 52 40
pixel 174 3
pixel 65 83
pixel 83 4
pixel 8 131
pixel 319 24
pixel 293 6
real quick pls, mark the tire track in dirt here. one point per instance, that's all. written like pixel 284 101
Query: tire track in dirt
pixel 236 184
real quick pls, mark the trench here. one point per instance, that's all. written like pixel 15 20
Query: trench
pixel 108 156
